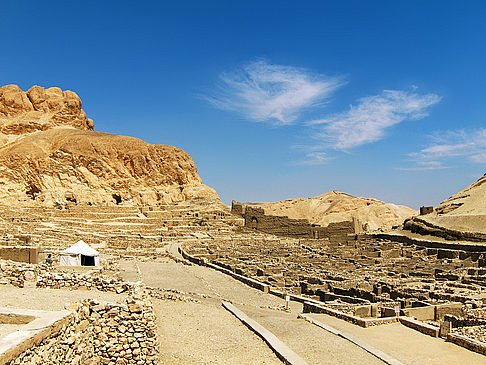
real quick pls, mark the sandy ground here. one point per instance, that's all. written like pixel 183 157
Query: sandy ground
pixel 49 299
pixel 199 333
pixel 205 333
pixel 6 329
pixel 309 341
pixel 405 344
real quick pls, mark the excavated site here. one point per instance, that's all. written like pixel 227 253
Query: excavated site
pixel 334 279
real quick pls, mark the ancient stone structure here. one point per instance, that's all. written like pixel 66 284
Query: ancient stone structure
pixel 256 218
pixel 426 210
pixel 335 207
pixel 60 181
pixel 27 254
pixel 100 333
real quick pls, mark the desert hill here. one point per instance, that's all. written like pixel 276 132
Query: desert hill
pixel 50 154
pixel 462 216
pixel 334 206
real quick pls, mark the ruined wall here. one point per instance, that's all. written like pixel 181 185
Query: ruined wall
pixel 29 255
pixel 256 218
pixel 100 333
pixel 426 210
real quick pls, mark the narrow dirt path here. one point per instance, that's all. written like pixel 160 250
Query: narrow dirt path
pixel 199 332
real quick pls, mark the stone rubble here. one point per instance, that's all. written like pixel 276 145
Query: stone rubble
pixel 45 277
pixel 101 333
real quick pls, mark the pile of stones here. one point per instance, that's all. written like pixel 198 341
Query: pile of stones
pixel 16 273
pixel 74 280
pixel 170 294
pixel 477 333
pixel 101 333
pixel 45 277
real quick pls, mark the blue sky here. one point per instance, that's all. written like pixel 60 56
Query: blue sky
pixel 274 99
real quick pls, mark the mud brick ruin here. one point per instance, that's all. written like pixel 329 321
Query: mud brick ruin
pixel 256 218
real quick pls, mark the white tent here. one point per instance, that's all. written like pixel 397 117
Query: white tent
pixel 79 254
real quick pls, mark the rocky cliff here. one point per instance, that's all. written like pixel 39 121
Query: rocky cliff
pixel 334 206
pixel 50 154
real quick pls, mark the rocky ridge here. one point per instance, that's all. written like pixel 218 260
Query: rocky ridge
pixel 51 155
pixel 461 217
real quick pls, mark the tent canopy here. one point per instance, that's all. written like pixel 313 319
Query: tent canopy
pixel 80 248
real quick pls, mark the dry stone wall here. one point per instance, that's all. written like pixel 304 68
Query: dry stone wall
pixel 101 333
pixel 45 277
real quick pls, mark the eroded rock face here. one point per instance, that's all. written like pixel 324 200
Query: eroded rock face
pixel 50 155
pixel 39 109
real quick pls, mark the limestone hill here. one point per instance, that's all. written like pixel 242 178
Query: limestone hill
pixel 334 206
pixel 50 154
pixel 462 216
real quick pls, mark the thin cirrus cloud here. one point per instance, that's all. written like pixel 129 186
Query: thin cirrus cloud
pixel 275 94
pixel 368 120
pixel 315 158
pixel 278 95
pixel 446 146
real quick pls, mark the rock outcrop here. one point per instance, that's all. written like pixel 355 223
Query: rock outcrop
pixel 334 207
pixel 51 155
pixel 39 109
pixel 461 217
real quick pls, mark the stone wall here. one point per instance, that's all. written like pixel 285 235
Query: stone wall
pixel 426 210
pixel 101 333
pixel 256 218
pixel 29 255
pixel 45 277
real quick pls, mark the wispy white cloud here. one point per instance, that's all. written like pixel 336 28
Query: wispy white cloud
pixel 275 94
pixel 368 121
pixel 424 166
pixel 446 146
pixel 315 159
pixel 279 95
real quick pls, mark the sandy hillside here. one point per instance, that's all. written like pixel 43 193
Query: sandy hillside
pixel 335 206
pixel 464 211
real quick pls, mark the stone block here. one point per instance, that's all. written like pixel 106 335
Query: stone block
pixel 445 329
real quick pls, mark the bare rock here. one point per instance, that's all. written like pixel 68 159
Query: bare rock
pixel 39 109
pixel 50 155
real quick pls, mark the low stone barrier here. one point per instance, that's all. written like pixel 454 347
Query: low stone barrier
pixel 56 280
pixel 43 276
pixel 362 322
pixel 21 254
pixel 420 326
pixel 451 245
pixel 38 325
pixel 249 281
pixel 470 344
